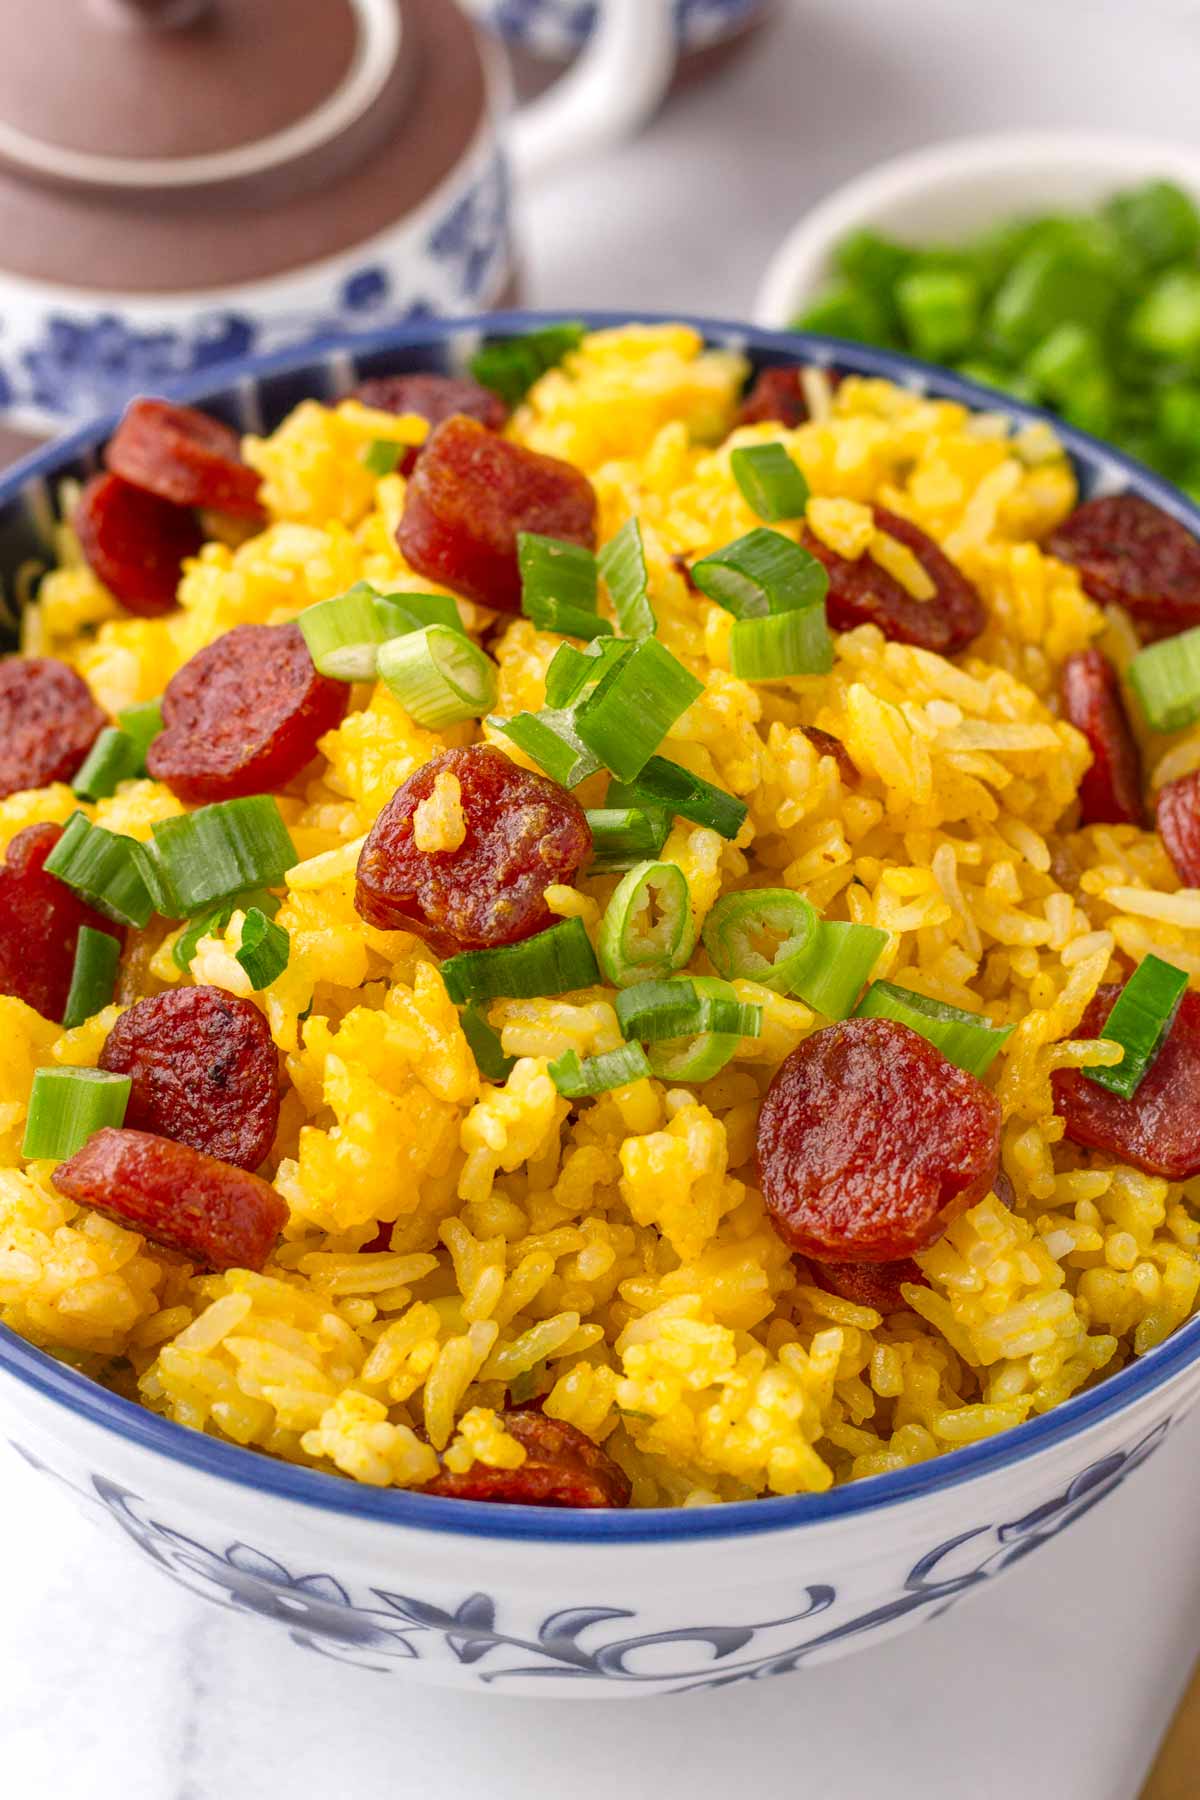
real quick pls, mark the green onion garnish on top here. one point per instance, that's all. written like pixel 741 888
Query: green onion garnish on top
pixel 761 573
pixel 343 635
pixel 583 1078
pixel 510 366
pixel 552 569
pixel 142 723
pixel 486 1048
pixel 1165 677
pixel 767 935
pixel 556 961
pixel 383 455
pixel 104 868
pixel 549 738
pixel 771 482
pixel 114 757
pixel 962 1037
pixel 67 1106
pixel 787 643
pixel 573 671
pixel 439 676
pixel 622 562
pixel 648 928
pixel 631 708
pixel 228 848
pixel 843 958
pixel 215 919
pixel 264 949
pixel 1140 1022
pixel 567 621
pixel 653 1011
pixel 402 613
pixel 669 784
pixel 93 977
pixel 623 836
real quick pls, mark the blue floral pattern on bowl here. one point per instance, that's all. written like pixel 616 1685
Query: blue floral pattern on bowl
pixel 585 1642
pixel 558 29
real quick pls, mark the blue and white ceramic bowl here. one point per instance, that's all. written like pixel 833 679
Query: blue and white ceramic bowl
pixel 521 1600
pixel 557 30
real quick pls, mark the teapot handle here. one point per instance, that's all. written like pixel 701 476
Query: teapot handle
pixel 611 90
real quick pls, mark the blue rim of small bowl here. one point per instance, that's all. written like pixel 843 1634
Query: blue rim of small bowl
pixel 254 1469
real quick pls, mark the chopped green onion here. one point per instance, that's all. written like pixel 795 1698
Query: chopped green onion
pixel 669 784
pixel 622 562
pixel 67 1106
pixel 962 1037
pixel 208 923
pixel 583 1079
pixel 625 835
pixel 766 935
pixel 556 961
pixel 527 1385
pixel 772 484
pixel 1140 1021
pixel 228 848
pixel 403 613
pixel 703 1053
pixel 842 960
pixel 343 635
pixel 510 366
pixel 114 757
pixel 549 737
pixel 789 643
pixel 1158 221
pixel 940 311
pixel 1166 321
pixel 552 569
pixel 763 572
pixel 648 927
pixel 485 1044
pixel 572 670
pixel 567 621
pixel 631 709
pixel 94 976
pixel 439 676
pixel 653 1011
pixel 381 457
pixel 1166 679
pixel 264 949
pixel 142 723
pixel 105 868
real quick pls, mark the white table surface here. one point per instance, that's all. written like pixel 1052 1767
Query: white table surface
pixel 115 1685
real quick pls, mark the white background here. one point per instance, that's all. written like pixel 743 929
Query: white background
pixel 1056 1682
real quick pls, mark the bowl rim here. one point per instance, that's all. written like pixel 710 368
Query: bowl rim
pixel 799 265
pixel 84 1397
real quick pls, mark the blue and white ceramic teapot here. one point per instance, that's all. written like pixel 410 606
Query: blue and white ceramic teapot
pixel 183 182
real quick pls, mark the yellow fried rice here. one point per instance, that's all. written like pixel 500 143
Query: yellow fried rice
pixel 617 1257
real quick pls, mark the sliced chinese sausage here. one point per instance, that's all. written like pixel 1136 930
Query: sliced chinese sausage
pixel 471 493
pixel 48 722
pixel 870 1284
pixel 776 397
pixel 184 456
pixel 432 397
pixel 870 1143
pixel 244 716
pixel 212 1212
pixel 40 921
pixel 863 593
pixel 204 1071
pixel 135 543
pixel 1111 791
pixel 1158 1128
pixel 1178 820
pixel 523 834
pixel 1130 552
pixel 562 1467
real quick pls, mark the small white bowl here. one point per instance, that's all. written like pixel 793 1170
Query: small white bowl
pixel 952 191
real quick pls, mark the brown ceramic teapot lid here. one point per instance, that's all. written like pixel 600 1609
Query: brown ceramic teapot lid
pixel 160 145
